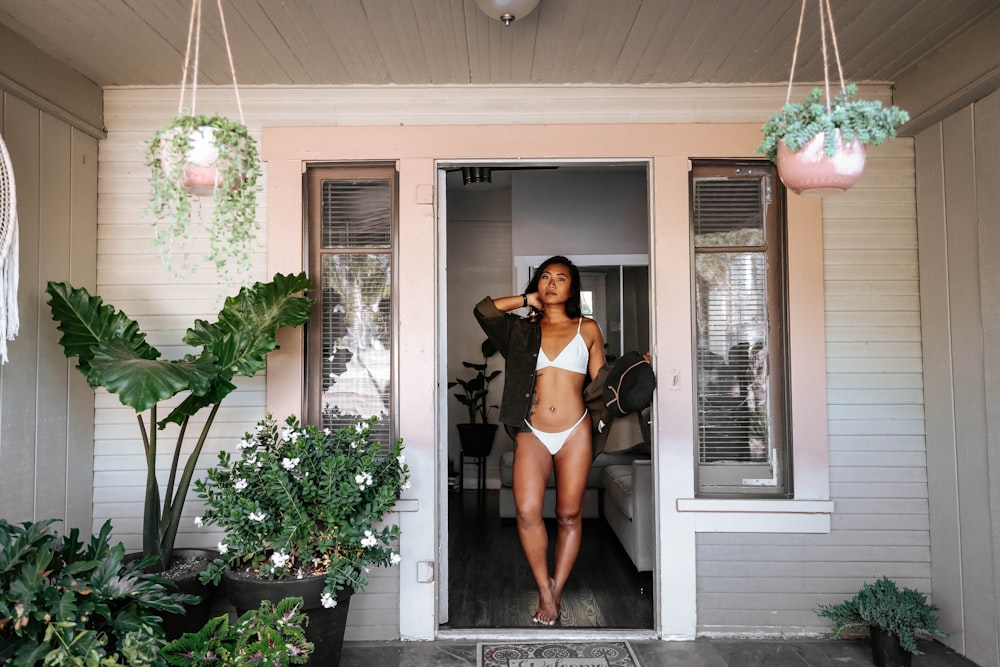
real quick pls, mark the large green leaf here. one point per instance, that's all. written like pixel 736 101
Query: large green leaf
pixel 141 383
pixel 257 311
pixel 86 321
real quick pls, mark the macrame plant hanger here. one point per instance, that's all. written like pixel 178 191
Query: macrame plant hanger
pixel 9 322
pixel 194 38
pixel 825 15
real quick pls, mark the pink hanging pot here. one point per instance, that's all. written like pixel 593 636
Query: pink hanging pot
pixel 810 172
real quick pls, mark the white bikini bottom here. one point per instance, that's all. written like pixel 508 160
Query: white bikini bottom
pixel 554 441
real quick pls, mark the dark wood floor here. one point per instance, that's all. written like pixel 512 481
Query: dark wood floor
pixel 490 585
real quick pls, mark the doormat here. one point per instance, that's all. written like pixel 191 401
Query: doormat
pixel 557 654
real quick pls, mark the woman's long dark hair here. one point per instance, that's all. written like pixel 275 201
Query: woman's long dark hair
pixel 573 304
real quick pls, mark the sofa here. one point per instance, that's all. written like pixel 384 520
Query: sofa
pixel 628 509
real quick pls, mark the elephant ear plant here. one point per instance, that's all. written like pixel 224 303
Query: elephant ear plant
pixel 113 353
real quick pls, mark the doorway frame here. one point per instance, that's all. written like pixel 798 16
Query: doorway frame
pixel 520 266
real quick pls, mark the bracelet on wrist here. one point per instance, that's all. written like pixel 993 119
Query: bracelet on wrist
pixel 524 297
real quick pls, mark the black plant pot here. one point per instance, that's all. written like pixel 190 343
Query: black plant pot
pixel 326 626
pixel 886 650
pixel 476 439
pixel 195 616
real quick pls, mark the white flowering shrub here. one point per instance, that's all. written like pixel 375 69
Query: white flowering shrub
pixel 297 501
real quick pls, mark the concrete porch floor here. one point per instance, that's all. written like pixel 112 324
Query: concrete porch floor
pixel 652 653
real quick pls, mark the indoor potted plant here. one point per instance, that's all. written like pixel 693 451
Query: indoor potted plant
pixel 273 634
pixel 820 148
pixel 113 353
pixel 892 616
pixel 201 155
pixel 63 602
pixel 302 511
pixel 477 436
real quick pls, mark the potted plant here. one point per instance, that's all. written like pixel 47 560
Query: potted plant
pixel 113 353
pixel 302 511
pixel 200 155
pixel 477 436
pixel 272 634
pixel 892 617
pixel 66 603
pixel 820 148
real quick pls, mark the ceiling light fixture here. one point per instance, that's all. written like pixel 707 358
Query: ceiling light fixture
pixel 506 11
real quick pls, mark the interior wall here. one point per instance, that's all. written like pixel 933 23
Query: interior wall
pixel 46 408
pixel 959 205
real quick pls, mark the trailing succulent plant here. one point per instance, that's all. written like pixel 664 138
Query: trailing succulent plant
pixel 883 605
pixel 798 122
pixel 232 226
pixel 66 603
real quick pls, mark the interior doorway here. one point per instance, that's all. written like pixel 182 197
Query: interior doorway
pixel 498 227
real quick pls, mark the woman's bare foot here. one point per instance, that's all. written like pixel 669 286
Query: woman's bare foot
pixel 548 606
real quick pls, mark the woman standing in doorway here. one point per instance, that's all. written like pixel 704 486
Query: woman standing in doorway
pixel 549 356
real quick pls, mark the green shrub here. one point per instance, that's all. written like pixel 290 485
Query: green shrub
pixel 272 635
pixel 66 603
pixel 883 605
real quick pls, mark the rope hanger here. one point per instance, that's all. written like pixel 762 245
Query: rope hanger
pixel 825 15
pixel 194 37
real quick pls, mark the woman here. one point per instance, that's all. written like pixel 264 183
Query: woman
pixel 549 357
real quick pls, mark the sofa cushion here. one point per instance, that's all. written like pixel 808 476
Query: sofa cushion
pixel 594 479
pixel 618 487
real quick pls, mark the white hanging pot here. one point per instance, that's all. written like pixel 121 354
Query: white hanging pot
pixel 201 172
pixel 201 162
pixel 810 172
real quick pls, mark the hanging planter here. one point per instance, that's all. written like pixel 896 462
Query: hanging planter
pixel 819 147
pixel 195 157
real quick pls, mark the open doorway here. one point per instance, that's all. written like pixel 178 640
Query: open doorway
pixel 496 231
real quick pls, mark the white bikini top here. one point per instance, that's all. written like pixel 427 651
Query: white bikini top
pixel 574 357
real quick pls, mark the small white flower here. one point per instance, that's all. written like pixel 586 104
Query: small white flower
pixel 326 431
pixel 405 485
pixel 223 548
pixel 279 558
pixel 395 559
pixel 257 517
pixel 289 464
pixel 402 459
pixel 239 484
pixel 327 601
pixel 259 428
pixel 359 479
pixel 252 459
pixel 244 444
pixel 369 539
pixel 198 521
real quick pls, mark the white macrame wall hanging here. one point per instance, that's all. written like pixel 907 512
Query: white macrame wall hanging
pixel 8 253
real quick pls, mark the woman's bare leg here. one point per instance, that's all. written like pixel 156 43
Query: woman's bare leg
pixel 572 464
pixel 532 467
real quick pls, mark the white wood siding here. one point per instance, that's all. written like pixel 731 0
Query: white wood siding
pixel 46 410
pixel 770 584
pixel 959 245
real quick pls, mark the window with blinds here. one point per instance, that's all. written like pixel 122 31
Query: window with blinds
pixel 737 224
pixel 349 353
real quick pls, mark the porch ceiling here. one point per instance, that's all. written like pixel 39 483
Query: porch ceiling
pixel 412 42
